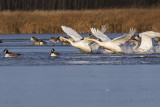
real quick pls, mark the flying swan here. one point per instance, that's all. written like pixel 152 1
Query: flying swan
pixel 146 41
pixel 83 45
pixel 107 43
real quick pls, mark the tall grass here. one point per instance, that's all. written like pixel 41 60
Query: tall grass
pixel 116 20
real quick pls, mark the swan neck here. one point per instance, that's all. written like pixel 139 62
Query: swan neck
pixel 94 40
pixel 67 40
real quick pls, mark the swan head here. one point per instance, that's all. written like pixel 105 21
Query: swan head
pixel 85 38
pixel 60 37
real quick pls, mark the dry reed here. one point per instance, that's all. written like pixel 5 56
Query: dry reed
pixel 117 20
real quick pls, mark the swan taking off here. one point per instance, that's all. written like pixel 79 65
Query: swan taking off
pixel 146 40
pixel 107 43
pixel 83 45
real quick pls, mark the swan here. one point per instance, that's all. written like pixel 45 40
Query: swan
pixel 63 42
pixel 83 45
pixel 134 40
pixel 107 43
pixel 9 54
pixel 146 41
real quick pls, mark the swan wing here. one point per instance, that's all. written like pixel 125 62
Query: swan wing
pixel 146 43
pixel 122 39
pixel 103 29
pixel 72 33
pixel 92 36
pixel 94 46
pixel 150 34
pixel 97 33
pixel 146 40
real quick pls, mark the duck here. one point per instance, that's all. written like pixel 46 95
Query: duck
pixel 33 39
pixel 9 54
pixel 54 40
pixel 83 45
pixel 1 41
pixel 40 42
pixel 107 43
pixel 53 53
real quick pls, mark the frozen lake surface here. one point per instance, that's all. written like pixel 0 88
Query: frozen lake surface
pixel 74 79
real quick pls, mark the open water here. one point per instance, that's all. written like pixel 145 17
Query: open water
pixel 74 79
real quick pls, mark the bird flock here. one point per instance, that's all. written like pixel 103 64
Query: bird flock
pixel 97 40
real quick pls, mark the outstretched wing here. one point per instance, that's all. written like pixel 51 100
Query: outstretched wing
pixel 146 39
pixel 72 33
pixel 97 33
pixel 94 46
pixel 92 36
pixel 146 42
pixel 103 29
pixel 122 39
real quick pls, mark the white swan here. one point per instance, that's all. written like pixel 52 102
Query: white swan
pixel 135 40
pixel 107 43
pixel 146 41
pixel 83 45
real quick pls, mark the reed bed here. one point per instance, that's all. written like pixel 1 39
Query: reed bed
pixel 116 20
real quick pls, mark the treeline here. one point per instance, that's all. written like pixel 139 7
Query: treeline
pixel 29 5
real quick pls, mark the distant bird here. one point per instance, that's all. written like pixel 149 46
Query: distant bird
pixel 9 54
pixel 54 40
pixel 40 42
pixel 53 53
pixel 33 39
pixel 37 41
pixel 1 41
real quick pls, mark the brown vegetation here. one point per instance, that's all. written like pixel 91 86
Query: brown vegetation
pixel 117 20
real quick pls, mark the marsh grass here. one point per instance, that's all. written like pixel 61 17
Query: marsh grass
pixel 116 20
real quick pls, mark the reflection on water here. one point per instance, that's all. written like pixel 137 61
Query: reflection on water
pixel 39 55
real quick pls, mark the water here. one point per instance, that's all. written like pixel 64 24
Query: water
pixel 74 79
pixel 40 55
